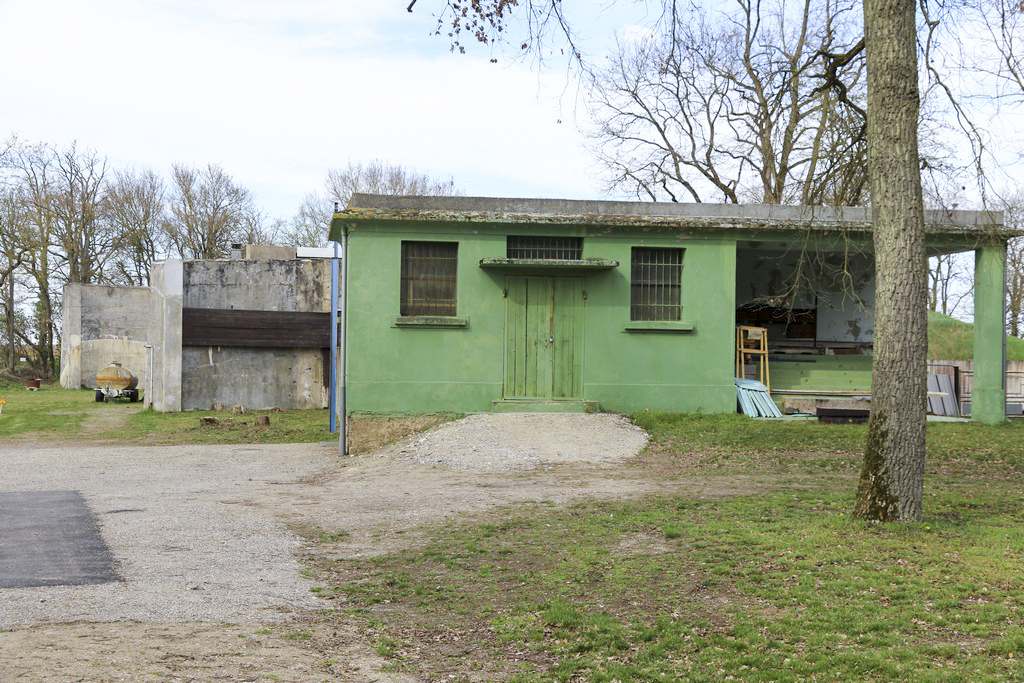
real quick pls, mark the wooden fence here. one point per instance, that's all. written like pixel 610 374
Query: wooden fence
pixel 1014 377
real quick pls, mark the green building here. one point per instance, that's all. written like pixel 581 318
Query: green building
pixel 478 304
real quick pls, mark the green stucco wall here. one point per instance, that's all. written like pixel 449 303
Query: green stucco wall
pixel 988 395
pixel 394 369
pixel 821 373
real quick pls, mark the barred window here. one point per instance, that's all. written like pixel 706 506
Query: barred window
pixel 656 284
pixel 544 248
pixel 428 278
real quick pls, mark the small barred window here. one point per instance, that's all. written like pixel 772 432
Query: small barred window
pixel 544 248
pixel 656 284
pixel 428 278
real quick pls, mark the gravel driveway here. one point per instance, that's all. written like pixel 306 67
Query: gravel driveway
pixel 183 553
pixel 200 534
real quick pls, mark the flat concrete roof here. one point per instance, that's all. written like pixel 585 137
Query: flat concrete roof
pixel 652 214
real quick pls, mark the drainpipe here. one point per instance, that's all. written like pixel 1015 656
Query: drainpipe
pixel 149 375
pixel 343 427
pixel 332 403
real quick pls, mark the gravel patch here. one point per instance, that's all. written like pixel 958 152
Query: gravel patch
pixel 183 549
pixel 198 533
pixel 507 442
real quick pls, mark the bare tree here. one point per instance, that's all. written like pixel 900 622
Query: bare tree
pixel 258 228
pixel 13 250
pixel 208 212
pixel 65 238
pixel 83 240
pixel 377 177
pixel 1002 33
pixel 33 169
pixel 948 283
pixel 728 105
pixel 541 24
pixel 1013 216
pixel 310 225
pixel 134 205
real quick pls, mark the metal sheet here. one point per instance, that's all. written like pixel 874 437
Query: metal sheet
pixel 941 396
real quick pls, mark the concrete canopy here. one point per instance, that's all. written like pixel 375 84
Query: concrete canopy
pixel 954 226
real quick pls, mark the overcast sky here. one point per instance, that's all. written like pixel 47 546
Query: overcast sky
pixel 278 92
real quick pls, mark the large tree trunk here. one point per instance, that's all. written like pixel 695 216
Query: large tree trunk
pixel 892 478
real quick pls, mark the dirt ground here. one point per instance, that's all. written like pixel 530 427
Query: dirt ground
pixel 376 503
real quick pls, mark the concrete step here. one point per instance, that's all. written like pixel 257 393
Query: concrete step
pixel 527 405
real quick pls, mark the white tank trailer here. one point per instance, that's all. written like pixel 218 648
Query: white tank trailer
pixel 115 381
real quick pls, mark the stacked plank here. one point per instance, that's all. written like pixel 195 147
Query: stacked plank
pixel 754 399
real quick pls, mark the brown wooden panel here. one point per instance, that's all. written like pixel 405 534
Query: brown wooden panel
pixel 255 329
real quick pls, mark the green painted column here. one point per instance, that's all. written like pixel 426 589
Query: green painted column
pixel 988 396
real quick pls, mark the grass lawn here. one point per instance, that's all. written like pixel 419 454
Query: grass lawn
pixel 778 586
pixel 952 339
pixel 49 411
pixel 53 414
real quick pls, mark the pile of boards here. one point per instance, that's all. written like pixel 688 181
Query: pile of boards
pixel 754 399
pixel 941 396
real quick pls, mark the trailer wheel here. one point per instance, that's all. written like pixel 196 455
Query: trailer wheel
pixel 133 397
pixel 99 396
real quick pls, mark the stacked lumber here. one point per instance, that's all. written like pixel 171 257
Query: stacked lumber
pixel 754 399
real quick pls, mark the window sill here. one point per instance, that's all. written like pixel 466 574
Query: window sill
pixel 673 326
pixel 421 321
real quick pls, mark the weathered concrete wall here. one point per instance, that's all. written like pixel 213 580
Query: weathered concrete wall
pixel 841 287
pixel 848 314
pixel 257 378
pixel 165 317
pixel 103 324
pixel 289 379
pixel 767 274
pixel 270 251
pixel 262 285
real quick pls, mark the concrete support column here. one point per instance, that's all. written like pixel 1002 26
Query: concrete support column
pixel 71 338
pixel 988 396
pixel 168 285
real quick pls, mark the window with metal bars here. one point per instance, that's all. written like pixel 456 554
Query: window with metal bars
pixel 544 248
pixel 656 284
pixel 428 278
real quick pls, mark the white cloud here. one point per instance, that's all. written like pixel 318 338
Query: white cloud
pixel 279 92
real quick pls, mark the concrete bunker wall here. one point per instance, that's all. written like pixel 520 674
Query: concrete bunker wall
pixel 288 378
pixel 103 324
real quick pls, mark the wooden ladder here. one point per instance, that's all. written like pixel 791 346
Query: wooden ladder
pixel 752 346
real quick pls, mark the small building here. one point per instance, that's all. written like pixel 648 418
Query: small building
pixel 477 304
pixel 253 331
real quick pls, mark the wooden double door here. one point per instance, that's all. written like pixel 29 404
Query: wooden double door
pixel 544 337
